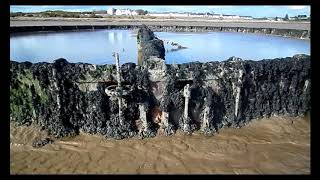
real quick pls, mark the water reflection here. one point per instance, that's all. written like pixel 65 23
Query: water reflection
pixel 97 46
pixel 111 37
pixel 119 36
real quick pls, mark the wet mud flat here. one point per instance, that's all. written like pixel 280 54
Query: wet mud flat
pixel 277 145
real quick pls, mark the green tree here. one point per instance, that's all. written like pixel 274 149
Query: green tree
pixel 15 14
pixel 286 18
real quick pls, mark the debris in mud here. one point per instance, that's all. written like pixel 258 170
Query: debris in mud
pixel 178 46
pixel 37 143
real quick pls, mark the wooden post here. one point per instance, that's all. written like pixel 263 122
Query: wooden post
pixel 205 122
pixel 119 89
pixel 186 94
pixel 143 116
pixel 118 69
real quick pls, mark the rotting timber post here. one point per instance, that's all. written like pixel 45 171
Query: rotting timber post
pixel 186 118
pixel 118 69
pixel 119 91
pixel 206 113
pixel 119 88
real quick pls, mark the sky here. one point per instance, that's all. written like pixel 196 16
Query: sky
pixel 254 11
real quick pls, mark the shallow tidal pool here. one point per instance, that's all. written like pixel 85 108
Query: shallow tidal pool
pixel 96 47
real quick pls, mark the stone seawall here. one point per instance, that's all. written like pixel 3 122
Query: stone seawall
pixel 65 98
pixel 300 34
pixel 293 33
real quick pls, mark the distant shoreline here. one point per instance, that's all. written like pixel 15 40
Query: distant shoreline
pixel 25 21
pixel 296 30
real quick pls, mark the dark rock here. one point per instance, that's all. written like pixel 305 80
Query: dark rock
pixel 37 143
pixel 145 34
pixel 149 45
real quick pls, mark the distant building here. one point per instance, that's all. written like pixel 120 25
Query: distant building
pixel 200 15
pixel 246 17
pixel 111 11
pixel 270 18
pixel 230 16
pixel 299 17
pixel 179 14
pixel 85 15
pixel 127 12
pixel 120 12
pixel 159 14
pixel 215 16
pixel 197 15
pixel 102 15
pixel 134 13
pixel 302 17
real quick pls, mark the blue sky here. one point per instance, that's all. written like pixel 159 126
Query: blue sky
pixel 255 11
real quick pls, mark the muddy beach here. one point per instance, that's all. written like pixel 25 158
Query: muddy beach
pixel 265 146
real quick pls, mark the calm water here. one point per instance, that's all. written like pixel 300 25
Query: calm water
pixel 97 46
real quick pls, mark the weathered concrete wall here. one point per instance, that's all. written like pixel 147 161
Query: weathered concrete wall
pixel 64 98
pixel 294 33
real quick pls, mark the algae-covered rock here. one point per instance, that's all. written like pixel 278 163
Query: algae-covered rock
pixel 149 45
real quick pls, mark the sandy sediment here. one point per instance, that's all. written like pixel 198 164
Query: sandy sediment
pixel 266 146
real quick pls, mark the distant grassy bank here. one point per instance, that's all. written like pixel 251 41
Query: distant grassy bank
pixel 58 21
pixel 67 14
pixel 103 14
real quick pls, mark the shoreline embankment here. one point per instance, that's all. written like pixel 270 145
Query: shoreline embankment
pixel 300 30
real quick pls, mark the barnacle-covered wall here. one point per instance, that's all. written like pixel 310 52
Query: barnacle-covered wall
pixel 64 98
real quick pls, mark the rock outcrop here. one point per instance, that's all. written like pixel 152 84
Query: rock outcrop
pixel 64 98
pixel 148 45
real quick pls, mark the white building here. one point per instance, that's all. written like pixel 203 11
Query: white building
pixel 200 15
pixel 179 14
pixel 120 12
pixel 230 17
pixel 246 17
pixel 134 13
pixel 159 14
pixel 214 16
pixel 111 11
pixel 169 14
pixel 125 12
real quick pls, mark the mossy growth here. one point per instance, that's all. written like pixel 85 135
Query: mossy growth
pixel 182 72
pixel 25 91
pixel 103 70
